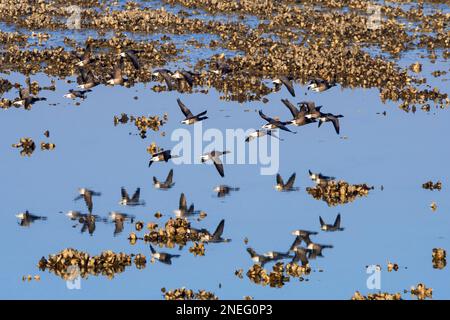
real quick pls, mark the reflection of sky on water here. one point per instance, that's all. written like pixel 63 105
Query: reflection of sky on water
pixel 399 151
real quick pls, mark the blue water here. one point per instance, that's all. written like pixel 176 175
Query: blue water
pixel 400 152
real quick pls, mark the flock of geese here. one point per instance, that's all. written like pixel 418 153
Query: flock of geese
pixel 306 112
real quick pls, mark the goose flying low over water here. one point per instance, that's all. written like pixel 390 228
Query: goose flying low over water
pixel 190 118
pixel 214 156
pixel 299 116
pixel 85 58
pixel 301 255
pixel 312 112
pixel 261 133
pixel 329 117
pixel 288 186
pixel 161 156
pixel 87 195
pixel 319 178
pixel 288 83
pixel 258 258
pixel 318 85
pixel 315 249
pixel 119 218
pixel 26 100
pixel 183 210
pixel 133 201
pixel 86 80
pixel 300 236
pixel 26 218
pixel 224 190
pixel 163 257
pixel 167 184
pixel 336 226
pixel 117 78
pixel 132 55
pixel 187 76
pixel 275 256
pixel 166 74
pixel 273 123
pixel 217 235
pixel 72 94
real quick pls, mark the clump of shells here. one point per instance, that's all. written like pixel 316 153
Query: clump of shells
pixel 188 294
pixel 439 258
pixel 377 296
pixel 338 192
pixel 28 146
pixel 430 185
pixel 65 262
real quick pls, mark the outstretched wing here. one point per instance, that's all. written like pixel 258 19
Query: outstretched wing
pixel 169 177
pixel 124 193
pixel 219 230
pixel 133 58
pixel 88 200
pixel 136 195
pixel 262 115
pixel 219 166
pixel 337 222
pixel 291 107
pixel 288 85
pixel 188 77
pixel 167 79
pixel 280 180
pixel 322 223
pixel 290 182
pixel 187 113
pixel 335 122
pixel 183 204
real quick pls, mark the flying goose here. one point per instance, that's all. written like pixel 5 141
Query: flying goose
pixel 119 218
pixel 319 178
pixel 163 257
pixel 329 117
pixel 336 226
pixel 288 186
pixel 85 58
pixel 224 190
pixel 26 100
pixel 301 255
pixel 258 258
pixel 190 118
pixel 72 94
pixel 133 201
pixel 260 133
pixel 183 209
pixel 89 224
pixel 275 255
pixel 187 76
pixel 273 123
pixel 299 116
pixel 86 80
pixel 318 85
pixel 315 249
pixel 166 184
pixel 26 218
pixel 87 194
pixel 287 81
pixel 214 156
pixel 166 74
pixel 132 55
pixel 117 78
pixel 220 68
pixel 217 235
pixel 300 236
pixel 312 112
pixel 161 156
